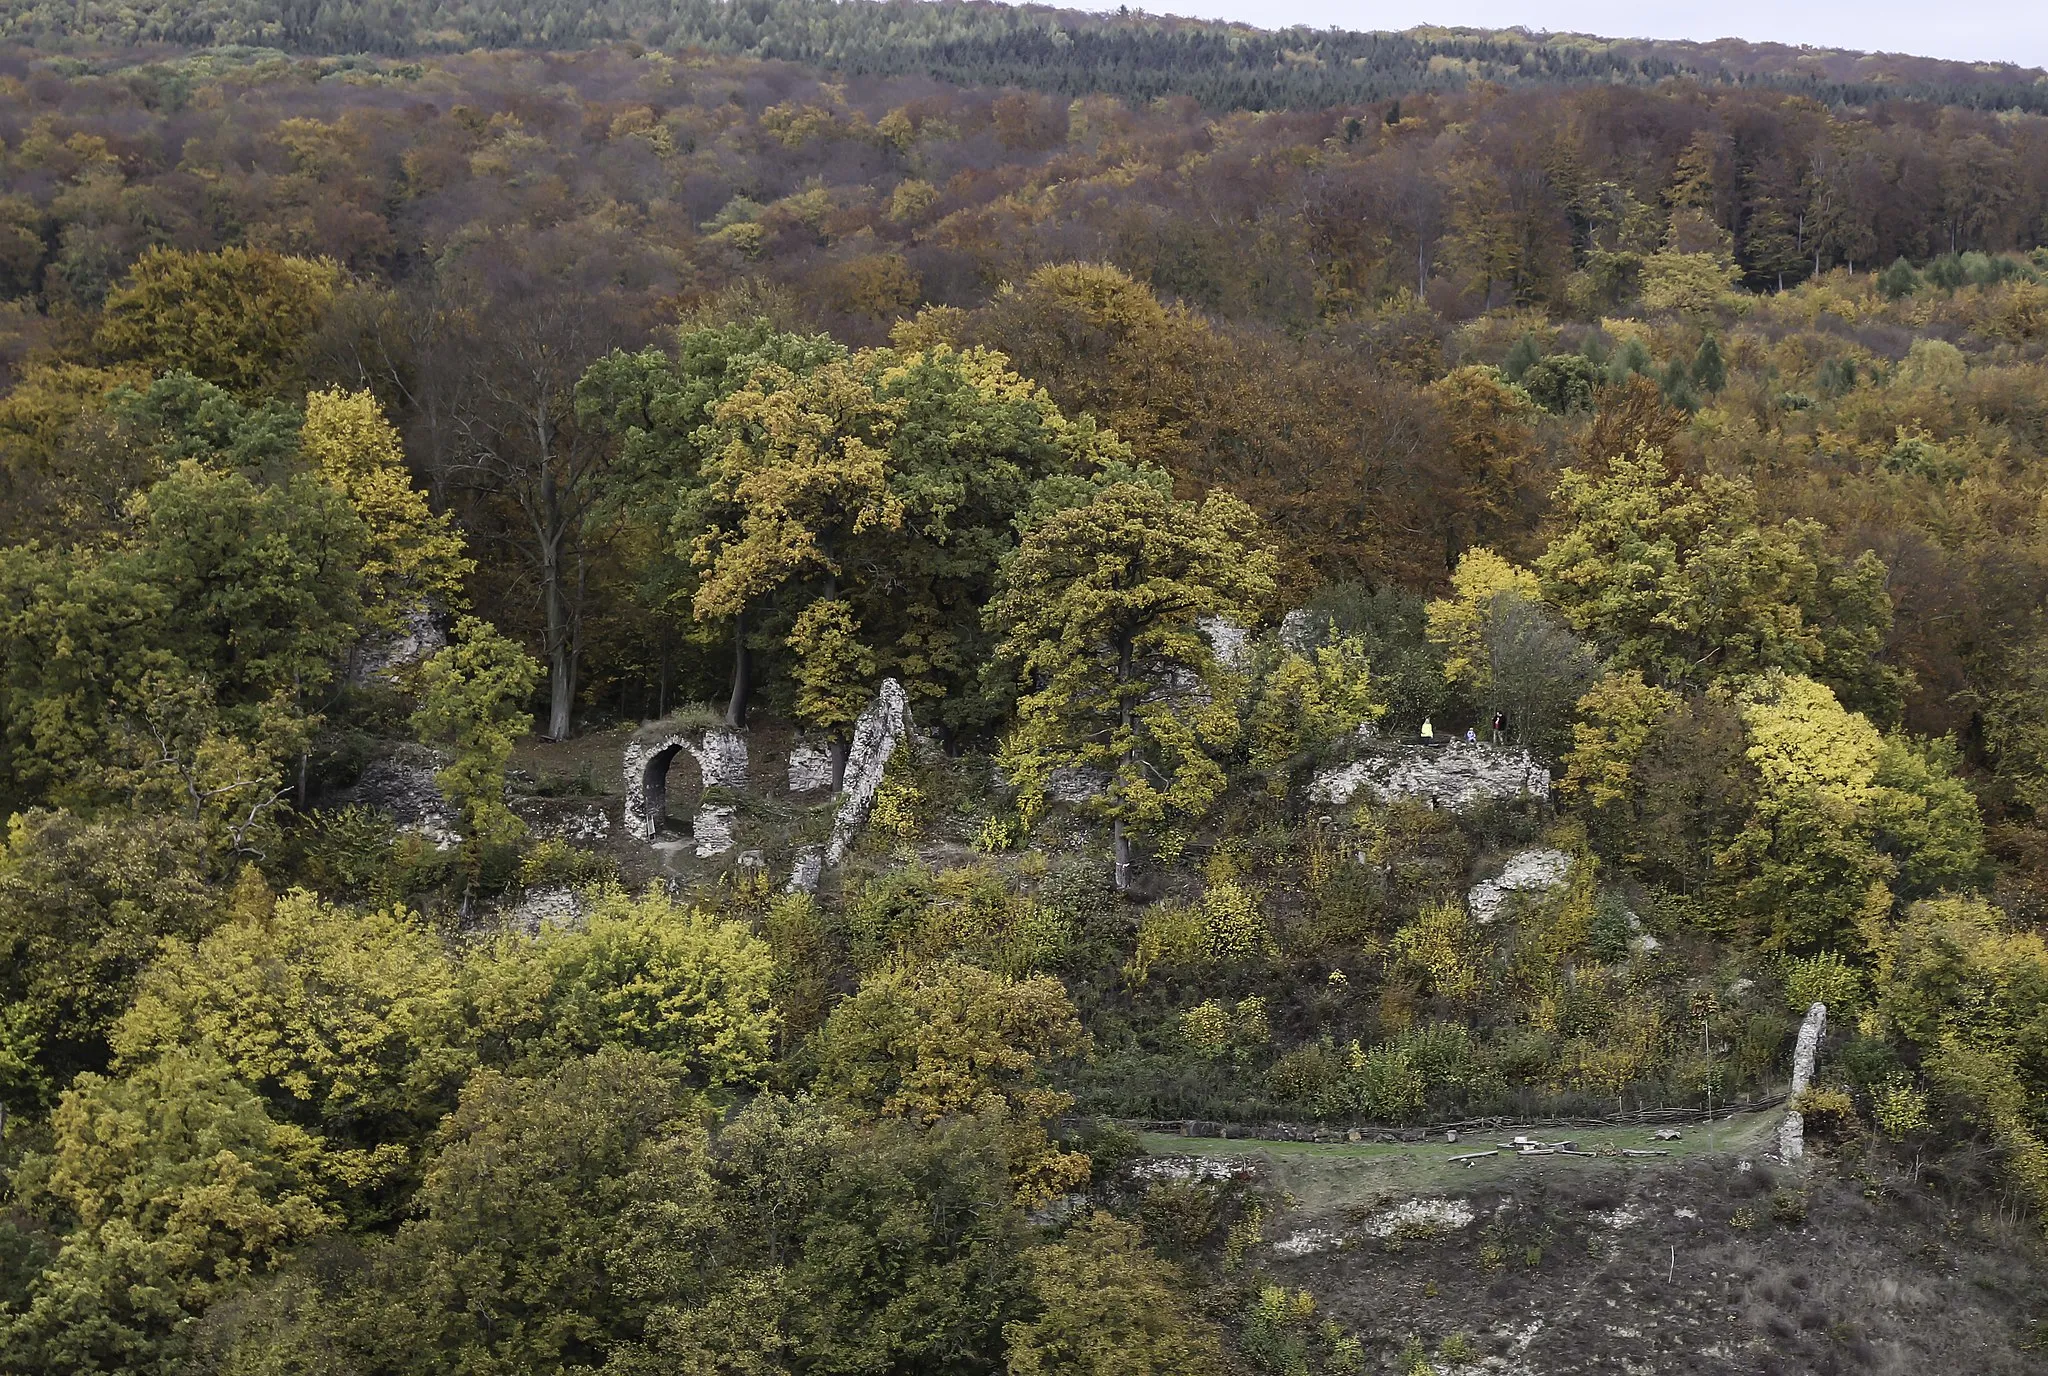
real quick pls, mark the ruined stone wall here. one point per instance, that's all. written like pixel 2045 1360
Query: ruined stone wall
pixel 721 757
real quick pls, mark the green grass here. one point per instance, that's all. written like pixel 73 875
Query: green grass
pixel 1333 1174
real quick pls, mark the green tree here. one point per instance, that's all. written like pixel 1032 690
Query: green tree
pixel 83 906
pixel 1682 582
pixel 799 469
pixel 351 1024
pixel 240 318
pixel 643 973
pixel 1101 609
pixel 1302 702
pixel 1842 819
pixel 472 700
pixel 956 1040
pixel 656 406
pixel 1617 719
pixel 173 1187
pixel 1104 1304
pixel 413 554
pixel 1458 623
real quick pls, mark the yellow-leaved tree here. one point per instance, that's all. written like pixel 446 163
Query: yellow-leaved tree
pixel 414 555
pixel 240 318
pixel 1457 624
pixel 1102 609
pixel 958 1040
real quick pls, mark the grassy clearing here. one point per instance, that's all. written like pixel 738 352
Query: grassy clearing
pixel 1323 1175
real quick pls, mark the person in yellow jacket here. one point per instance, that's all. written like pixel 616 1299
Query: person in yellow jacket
pixel 1428 731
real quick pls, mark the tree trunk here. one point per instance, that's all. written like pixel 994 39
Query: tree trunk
pixel 838 748
pixel 561 689
pixel 1122 846
pixel 742 676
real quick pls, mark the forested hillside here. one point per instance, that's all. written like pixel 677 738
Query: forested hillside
pixel 413 463
pixel 1069 52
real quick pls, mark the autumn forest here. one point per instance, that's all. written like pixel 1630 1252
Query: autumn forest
pixel 408 414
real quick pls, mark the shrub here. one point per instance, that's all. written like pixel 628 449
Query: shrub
pixel 1250 1030
pixel 1205 1029
pixel 1900 1108
pixel 348 849
pixel 1311 1075
pixel 1235 924
pixel 1825 978
pixel 993 836
pixel 1169 934
pixel 1442 948
pixel 555 861
pixel 685 984
pixel 1385 1083
pixel 1608 935
pixel 898 810
pixel 1829 1112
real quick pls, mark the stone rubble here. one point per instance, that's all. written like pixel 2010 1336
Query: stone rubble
pixel 551 820
pixel 1420 1216
pixel 712 830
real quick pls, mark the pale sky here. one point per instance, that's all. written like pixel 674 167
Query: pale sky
pixel 1972 30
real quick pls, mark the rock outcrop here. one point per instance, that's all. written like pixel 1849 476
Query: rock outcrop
pixel 1455 776
pixel 1792 1130
pixel 810 767
pixel 1527 871
pixel 881 728
pixel 403 784
pixel 384 657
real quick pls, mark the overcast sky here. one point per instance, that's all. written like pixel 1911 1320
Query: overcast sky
pixel 1974 30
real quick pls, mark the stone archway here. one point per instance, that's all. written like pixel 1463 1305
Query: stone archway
pixel 721 758
pixel 659 781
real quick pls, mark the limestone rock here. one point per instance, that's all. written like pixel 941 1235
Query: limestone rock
pixel 1076 785
pixel 1792 1131
pixel 551 819
pixel 553 906
pixel 419 637
pixel 1455 776
pixel 804 873
pixel 881 728
pixel 403 784
pixel 1527 871
pixel 810 767
pixel 1228 641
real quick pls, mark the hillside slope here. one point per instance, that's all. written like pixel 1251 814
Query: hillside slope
pixel 1222 66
